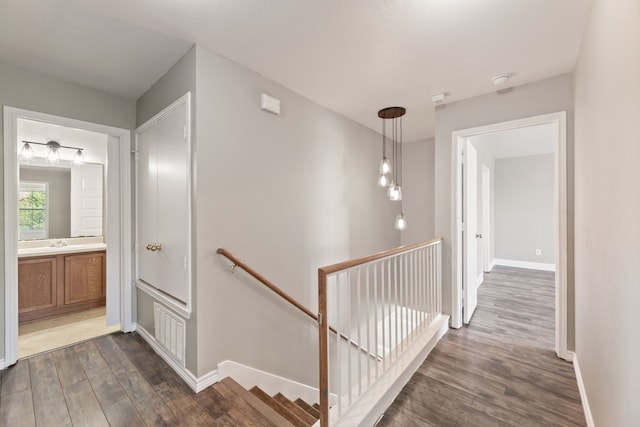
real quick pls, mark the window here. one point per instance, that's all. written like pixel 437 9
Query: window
pixel 33 211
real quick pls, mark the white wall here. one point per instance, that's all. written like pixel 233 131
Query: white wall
pixel 22 88
pixel 287 194
pixel 607 211
pixel 524 208
pixel 418 189
pixel 547 96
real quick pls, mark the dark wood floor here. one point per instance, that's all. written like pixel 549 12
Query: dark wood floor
pixel 501 370
pixel 114 380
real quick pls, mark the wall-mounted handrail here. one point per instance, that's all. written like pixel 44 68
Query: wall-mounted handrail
pixel 259 277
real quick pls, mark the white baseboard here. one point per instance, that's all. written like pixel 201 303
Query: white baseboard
pixel 248 377
pixel 524 264
pixel 583 392
pixel 491 265
pixel 368 409
pixel 196 384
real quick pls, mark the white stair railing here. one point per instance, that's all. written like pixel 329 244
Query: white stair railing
pixel 383 302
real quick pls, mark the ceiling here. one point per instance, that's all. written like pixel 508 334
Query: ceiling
pixel 520 142
pixel 353 57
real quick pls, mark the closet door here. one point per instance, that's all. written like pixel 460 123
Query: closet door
pixel 162 203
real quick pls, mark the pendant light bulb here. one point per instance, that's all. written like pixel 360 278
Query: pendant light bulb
pixel 78 158
pixel 383 180
pixel 27 155
pixel 401 222
pixel 395 193
pixel 385 166
pixel 53 158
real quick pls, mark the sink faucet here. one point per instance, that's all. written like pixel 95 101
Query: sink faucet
pixel 58 244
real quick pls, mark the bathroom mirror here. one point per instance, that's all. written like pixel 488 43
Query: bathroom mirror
pixel 59 202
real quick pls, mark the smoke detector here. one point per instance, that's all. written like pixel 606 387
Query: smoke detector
pixel 500 79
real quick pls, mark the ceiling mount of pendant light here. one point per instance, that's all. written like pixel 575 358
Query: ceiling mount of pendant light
pixel 27 155
pixel 391 170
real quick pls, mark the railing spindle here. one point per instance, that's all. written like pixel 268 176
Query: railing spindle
pixel 368 327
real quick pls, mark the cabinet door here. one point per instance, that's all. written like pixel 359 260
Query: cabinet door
pixel 84 277
pixel 36 284
pixel 163 210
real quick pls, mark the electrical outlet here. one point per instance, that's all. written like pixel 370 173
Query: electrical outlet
pixel 538 252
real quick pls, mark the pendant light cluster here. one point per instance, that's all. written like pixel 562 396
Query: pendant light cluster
pixel 391 169
pixel 27 155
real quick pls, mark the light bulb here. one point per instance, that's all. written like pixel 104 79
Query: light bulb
pixel 78 158
pixel 401 223
pixel 395 193
pixel 53 158
pixel 383 180
pixel 385 166
pixel 27 154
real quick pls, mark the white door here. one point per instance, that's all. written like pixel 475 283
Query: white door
pixel 486 218
pixel 162 189
pixel 470 219
pixel 86 200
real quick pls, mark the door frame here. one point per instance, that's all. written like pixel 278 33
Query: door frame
pixel 119 259
pixel 558 119
pixel 486 219
pixel 469 238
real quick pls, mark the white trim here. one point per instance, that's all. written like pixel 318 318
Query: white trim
pixel 525 264
pixel 248 377
pixel 197 384
pixel 479 280
pixel 491 265
pixel 583 392
pixel 121 252
pixel 372 404
pixel 2 364
pixel 183 308
pixel 558 119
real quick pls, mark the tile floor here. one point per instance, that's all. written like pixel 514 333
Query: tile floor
pixel 44 335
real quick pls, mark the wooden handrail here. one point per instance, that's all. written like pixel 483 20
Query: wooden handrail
pixel 259 277
pixel 334 268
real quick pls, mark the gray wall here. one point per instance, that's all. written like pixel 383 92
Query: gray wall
pixel 418 190
pixel 59 180
pixel 180 79
pixel 547 96
pixel 524 208
pixel 287 194
pixel 607 209
pixel 24 89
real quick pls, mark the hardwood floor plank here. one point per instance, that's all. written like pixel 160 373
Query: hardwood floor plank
pixel 149 405
pixel 183 403
pixel 68 367
pixel 16 409
pixel 48 401
pixel 83 405
pixel 16 378
pixel 123 414
pixel 105 385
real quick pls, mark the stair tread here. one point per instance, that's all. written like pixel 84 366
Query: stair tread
pixel 310 409
pixel 316 406
pixel 249 405
pixel 297 410
pixel 278 407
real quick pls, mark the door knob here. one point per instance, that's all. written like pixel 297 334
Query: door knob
pixel 153 247
pixel 478 236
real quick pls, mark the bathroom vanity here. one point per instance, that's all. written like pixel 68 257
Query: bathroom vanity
pixel 60 277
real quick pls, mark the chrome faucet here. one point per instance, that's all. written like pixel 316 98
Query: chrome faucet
pixel 58 244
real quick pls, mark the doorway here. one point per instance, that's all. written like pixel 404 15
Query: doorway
pixel 86 265
pixel 460 138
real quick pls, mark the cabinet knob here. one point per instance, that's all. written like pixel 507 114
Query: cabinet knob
pixel 153 247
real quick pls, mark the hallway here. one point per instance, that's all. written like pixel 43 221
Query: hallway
pixel 501 370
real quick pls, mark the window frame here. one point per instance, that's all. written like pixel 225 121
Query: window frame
pixel 34 234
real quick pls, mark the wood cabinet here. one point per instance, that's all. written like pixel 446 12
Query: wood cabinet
pixel 64 283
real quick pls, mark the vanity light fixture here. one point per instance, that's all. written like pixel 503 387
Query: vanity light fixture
pixel 391 171
pixel 27 155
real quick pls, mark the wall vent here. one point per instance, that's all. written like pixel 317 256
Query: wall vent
pixel 169 332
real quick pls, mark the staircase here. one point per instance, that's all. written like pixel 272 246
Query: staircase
pixel 259 408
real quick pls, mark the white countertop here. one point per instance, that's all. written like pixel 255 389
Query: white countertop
pixel 72 246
